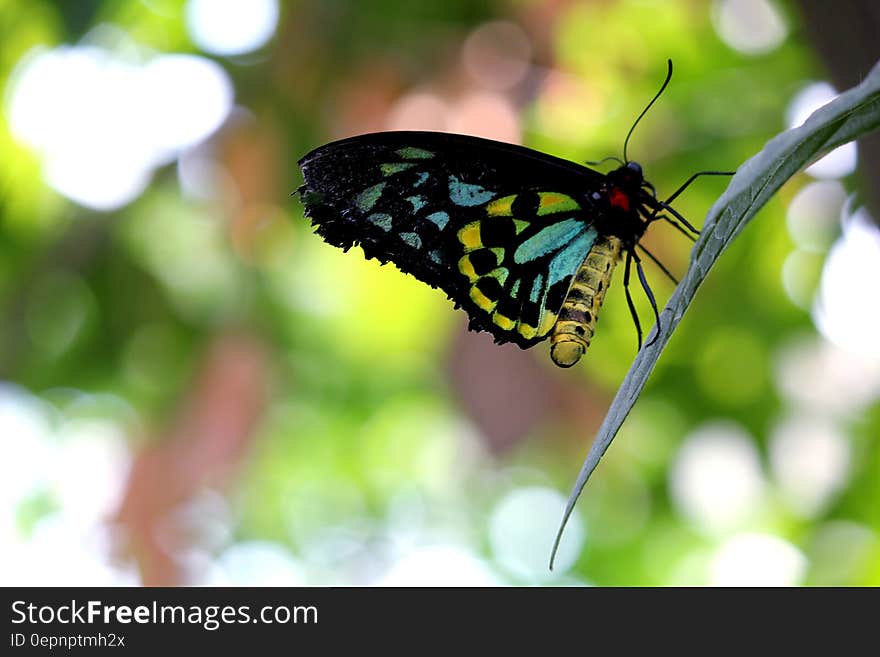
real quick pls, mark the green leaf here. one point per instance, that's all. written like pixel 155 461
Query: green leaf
pixel 850 115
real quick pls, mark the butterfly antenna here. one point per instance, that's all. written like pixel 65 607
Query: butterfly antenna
pixel 629 299
pixel 645 111
pixel 598 163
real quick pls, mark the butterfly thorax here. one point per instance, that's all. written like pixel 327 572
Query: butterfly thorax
pixel 618 202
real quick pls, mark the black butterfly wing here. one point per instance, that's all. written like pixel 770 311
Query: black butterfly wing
pixel 500 228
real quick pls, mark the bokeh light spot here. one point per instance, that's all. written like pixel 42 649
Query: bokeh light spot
pixel 843 313
pixel 231 27
pixel 192 97
pixel 417 111
pixel 486 114
pixel 813 216
pixel 90 469
pixel 753 27
pixel 808 100
pixel 521 532
pixel 497 54
pixel 439 565
pixel 815 374
pixel 842 160
pixel 757 560
pixel 85 560
pixel 717 481
pixel 810 458
pixel 256 563
pixel 102 122
pixel 25 424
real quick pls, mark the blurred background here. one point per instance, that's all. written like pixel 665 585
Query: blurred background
pixel 195 389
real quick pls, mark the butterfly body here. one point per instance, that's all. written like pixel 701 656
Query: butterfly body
pixel 576 323
pixel 524 242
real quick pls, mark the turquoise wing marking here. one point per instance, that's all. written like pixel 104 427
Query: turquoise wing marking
pixel 381 219
pixel 418 202
pixel 538 289
pixel 370 196
pixel 412 239
pixel 440 218
pixel 566 262
pixel 548 240
pixel 468 195
pixel 413 153
pixel 559 251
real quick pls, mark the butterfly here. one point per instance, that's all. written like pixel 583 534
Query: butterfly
pixel 526 243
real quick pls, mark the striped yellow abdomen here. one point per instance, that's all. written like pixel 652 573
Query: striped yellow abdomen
pixel 577 318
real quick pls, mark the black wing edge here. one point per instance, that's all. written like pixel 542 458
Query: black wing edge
pixel 454 142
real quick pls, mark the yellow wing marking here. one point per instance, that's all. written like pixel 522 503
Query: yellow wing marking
pixel 501 207
pixel 466 268
pixel 505 323
pixel 483 302
pixel 469 236
pixel 551 202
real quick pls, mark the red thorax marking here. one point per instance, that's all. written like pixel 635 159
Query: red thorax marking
pixel 619 200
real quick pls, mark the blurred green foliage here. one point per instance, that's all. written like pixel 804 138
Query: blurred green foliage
pixel 372 440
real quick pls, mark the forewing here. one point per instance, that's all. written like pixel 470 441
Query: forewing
pixel 496 226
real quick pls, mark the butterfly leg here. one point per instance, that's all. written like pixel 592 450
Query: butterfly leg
pixel 629 299
pixel 647 288
pixel 688 182
pixel 665 205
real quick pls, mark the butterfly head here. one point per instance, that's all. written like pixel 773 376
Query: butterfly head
pixel 627 178
pixel 633 172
